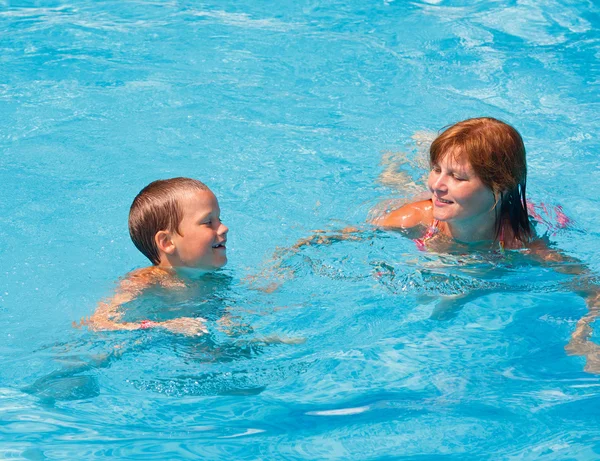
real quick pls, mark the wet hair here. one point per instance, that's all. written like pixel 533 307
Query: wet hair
pixel 157 208
pixel 496 153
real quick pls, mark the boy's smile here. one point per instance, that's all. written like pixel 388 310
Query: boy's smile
pixel 200 240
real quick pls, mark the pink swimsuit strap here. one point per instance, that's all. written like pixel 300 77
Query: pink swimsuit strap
pixel 434 229
pixel 429 233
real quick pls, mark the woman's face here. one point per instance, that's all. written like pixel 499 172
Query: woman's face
pixel 458 195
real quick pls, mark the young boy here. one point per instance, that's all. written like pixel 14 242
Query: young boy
pixel 176 224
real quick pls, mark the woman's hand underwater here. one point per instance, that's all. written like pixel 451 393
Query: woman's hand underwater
pixel 187 326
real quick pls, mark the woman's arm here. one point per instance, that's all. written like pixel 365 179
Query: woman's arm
pixel 409 216
pixel 586 286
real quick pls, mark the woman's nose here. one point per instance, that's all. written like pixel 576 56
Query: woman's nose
pixel 436 181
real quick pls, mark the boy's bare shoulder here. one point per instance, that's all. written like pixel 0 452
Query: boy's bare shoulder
pixel 148 276
pixel 408 216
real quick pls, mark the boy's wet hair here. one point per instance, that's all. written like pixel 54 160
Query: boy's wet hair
pixel 157 208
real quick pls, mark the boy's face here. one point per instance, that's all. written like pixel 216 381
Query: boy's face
pixel 201 237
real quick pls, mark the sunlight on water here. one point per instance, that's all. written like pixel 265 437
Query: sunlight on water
pixel 299 115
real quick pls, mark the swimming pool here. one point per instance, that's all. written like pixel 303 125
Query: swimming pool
pixel 285 112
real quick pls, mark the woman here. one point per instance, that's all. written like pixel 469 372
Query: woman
pixel 477 181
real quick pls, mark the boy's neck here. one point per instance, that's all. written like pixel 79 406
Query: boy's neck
pixel 182 271
pixel 190 272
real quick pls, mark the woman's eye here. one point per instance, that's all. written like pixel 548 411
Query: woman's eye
pixel 459 178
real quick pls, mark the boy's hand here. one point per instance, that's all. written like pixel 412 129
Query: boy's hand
pixel 186 326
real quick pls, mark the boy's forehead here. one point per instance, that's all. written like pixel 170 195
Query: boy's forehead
pixel 198 200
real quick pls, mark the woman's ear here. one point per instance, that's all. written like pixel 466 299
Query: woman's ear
pixel 164 242
pixel 498 196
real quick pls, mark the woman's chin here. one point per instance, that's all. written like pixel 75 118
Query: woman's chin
pixel 443 217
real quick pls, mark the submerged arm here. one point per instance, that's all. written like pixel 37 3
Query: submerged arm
pixel 274 275
pixel 405 218
pixel 109 313
pixel 321 237
pixel 580 342
pixel 585 285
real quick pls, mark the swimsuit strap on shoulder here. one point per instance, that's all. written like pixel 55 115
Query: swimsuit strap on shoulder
pixel 431 231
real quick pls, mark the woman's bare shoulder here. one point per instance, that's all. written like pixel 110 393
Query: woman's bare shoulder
pixel 528 242
pixel 408 216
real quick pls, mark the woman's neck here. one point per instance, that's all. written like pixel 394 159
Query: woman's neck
pixel 473 231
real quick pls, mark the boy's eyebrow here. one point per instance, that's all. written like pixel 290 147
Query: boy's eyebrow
pixel 206 215
pixel 203 216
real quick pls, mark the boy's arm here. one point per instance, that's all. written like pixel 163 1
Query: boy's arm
pixel 108 314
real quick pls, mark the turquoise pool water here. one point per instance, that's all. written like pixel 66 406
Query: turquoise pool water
pixel 285 109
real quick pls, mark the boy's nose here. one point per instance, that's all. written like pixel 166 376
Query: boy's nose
pixel 223 229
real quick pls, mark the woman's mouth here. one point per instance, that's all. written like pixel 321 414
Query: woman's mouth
pixel 440 201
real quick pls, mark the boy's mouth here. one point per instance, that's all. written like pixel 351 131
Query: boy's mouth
pixel 219 245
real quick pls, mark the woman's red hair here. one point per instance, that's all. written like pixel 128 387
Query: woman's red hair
pixel 496 153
